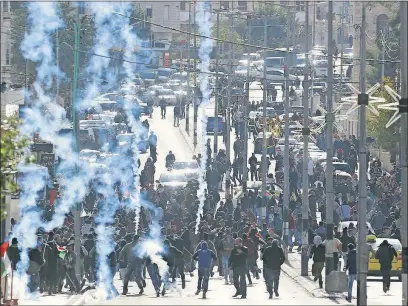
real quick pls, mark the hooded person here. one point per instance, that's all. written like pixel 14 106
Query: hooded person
pixel 273 258
pixel 385 255
pixel 205 258
pixel 318 254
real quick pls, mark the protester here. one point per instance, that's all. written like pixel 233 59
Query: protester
pixel 351 267
pixel 318 254
pixel 385 255
pixel 273 258
pixel 238 263
pixel 205 257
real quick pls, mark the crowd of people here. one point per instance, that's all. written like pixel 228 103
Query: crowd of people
pixel 234 238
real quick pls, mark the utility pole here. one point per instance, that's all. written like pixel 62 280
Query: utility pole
pixel 329 170
pixel 245 116
pixel 195 103
pixel 342 47
pixel 313 26
pixel 286 190
pixel 306 133
pixel 77 211
pixel 382 58
pixel 265 104
pixel 403 145
pixel 57 60
pixel 362 251
pixel 216 89
pixel 25 81
pixel 188 70
pixel 228 109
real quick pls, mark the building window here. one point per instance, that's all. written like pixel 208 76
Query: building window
pixel 225 5
pixel 6 6
pixel 166 12
pixel 81 5
pixel 8 53
pixel 149 11
pixel 182 5
pixel 242 5
pixel 300 5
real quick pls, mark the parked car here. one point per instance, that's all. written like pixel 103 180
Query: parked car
pixel 278 75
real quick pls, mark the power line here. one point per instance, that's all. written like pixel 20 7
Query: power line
pixel 237 43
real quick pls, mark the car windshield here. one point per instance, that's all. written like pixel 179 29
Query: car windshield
pixel 185 165
pixel 108 106
pixel 165 73
pixel 300 61
pixel 274 62
pixel 88 154
pixel 148 75
pixel 124 138
pixel 342 167
pixel 395 244
pixel 348 51
pixel 322 64
pixel 166 92
pixel 180 76
pixel 241 68
pixel 167 178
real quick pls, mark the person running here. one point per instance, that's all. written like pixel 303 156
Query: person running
pixel 176 263
pixel 238 264
pixel 385 255
pixel 273 258
pixel 134 265
pixel 205 258
pixel 318 253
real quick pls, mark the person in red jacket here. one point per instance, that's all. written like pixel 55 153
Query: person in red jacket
pixel 251 261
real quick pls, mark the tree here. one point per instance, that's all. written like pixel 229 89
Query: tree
pixel 385 138
pixel 225 36
pixel 11 153
pixel 19 26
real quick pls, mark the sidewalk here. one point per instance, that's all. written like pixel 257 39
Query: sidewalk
pixel 375 294
pixel 292 268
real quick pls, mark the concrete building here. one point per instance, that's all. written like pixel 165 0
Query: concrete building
pixel 5 42
pixel 177 15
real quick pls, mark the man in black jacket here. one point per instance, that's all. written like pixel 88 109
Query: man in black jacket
pixel 385 255
pixel 238 263
pixel 51 257
pixel 351 266
pixel 13 253
pixel 273 257
pixel 175 260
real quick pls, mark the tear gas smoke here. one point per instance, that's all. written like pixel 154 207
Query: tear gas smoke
pixel 203 17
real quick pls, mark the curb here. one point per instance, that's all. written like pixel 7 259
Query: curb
pixel 187 139
pixel 308 285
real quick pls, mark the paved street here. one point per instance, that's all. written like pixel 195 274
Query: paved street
pixel 219 294
pixel 375 294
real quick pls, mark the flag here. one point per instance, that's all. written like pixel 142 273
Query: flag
pixel 62 251
pixel 5 261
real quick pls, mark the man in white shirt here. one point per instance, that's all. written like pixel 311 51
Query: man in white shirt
pixel 310 172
